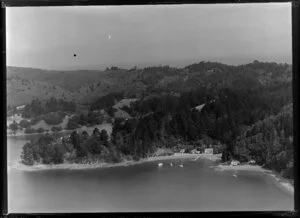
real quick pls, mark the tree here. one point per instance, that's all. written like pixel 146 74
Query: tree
pixel 29 130
pixel 75 140
pixel 24 123
pixel 49 153
pixel 40 130
pixel 93 145
pixel 103 135
pixel 58 155
pixel 96 131
pixel 27 154
pixel 56 129
pixel 72 123
pixel 85 135
pixel 14 127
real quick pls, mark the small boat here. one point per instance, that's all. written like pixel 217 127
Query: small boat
pixel 234 175
pixel 160 164
pixel 171 164
pixel 181 165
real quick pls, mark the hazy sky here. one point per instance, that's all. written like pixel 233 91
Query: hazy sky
pixel 48 37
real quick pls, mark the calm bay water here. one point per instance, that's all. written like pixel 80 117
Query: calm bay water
pixel 143 187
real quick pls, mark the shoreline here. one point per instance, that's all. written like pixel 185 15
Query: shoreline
pixel 286 184
pixel 90 128
pixel 95 165
pixel 283 183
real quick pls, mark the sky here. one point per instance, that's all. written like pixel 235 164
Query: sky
pixel 127 36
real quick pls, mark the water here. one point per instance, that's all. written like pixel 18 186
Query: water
pixel 144 187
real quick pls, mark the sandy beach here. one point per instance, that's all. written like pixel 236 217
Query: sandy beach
pixel 284 183
pixel 73 166
pixel 245 167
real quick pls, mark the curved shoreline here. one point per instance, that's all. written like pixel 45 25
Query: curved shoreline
pixel 80 166
pixel 282 182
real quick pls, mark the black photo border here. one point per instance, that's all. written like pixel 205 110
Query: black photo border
pixel 295 65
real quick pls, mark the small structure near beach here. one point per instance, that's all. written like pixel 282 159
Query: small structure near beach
pixel 235 163
pixel 182 151
pixel 252 162
pixel 195 151
pixel 20 107
pixel 208 151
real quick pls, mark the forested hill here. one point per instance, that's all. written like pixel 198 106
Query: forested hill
pixel 226 114
pixel 269 142
pixel 26 84
pixel 244 111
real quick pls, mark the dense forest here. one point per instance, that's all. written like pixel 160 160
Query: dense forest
pixel 87 119
pixel 106 101
pixel 77 148
pixel 37 107
pixel 269 142
pixel 52 111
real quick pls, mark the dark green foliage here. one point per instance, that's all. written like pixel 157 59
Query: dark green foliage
pixel 13 126
pixel 29 130
pixel 37 107
pixel 56 129
pixel 52 118
pixel 75 140
pixel 85 135
pixel 52 149
pixel 96 132
pixel 93 144
pixel 269 142
pixel 225 117
pixel 40 130
pixel 103 135
pixel 106 101
pixel 48 154
pixel 27 154
pixel 114 155
pixel 59 151
pixel 111 111
pixel 89 119
pixel 73 123
pixel 24 124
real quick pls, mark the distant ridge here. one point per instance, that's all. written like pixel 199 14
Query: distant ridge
pixel 84 86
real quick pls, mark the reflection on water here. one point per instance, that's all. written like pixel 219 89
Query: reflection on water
pixel 144 187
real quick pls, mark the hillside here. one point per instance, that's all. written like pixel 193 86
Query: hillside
pixel 269 142
pixel 26 84
pixel 243 112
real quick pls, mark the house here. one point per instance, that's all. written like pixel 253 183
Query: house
pixel 199 107
pixel 234 163
pixel 200 150
pixel 194 151
pixel 21 107
pixel 208 151
pixel 252 162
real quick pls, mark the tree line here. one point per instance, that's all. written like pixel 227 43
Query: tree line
pixel 250 122
pixel 75 148
pixel 38 107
